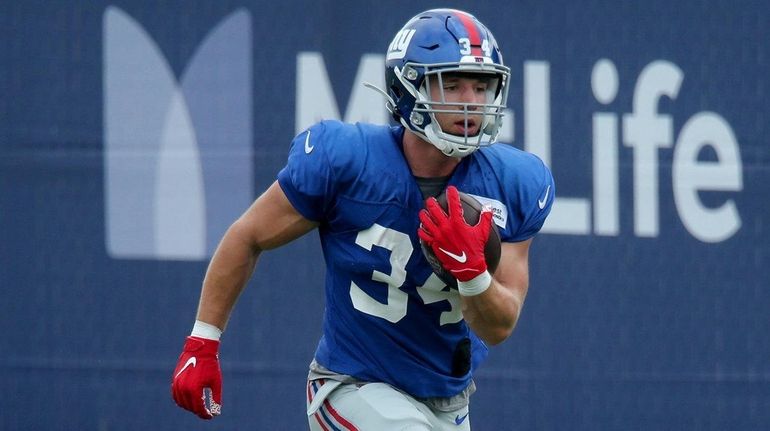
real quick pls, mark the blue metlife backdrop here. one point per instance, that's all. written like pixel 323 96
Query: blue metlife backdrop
pixel 133 133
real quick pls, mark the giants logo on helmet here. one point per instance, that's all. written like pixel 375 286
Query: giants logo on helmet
pixel 400 44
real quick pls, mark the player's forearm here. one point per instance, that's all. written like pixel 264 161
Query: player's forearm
pixel 227 275
pixel 493 314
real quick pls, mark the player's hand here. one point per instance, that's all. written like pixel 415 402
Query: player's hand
pixel 457 245
pixel 198 368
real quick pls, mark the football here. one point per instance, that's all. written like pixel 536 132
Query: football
pixel 471 212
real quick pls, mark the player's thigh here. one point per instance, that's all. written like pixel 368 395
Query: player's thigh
pixel 371 407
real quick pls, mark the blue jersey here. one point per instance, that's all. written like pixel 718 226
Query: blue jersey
pixel 388 318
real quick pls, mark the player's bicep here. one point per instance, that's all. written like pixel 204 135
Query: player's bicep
pixel 513 270
pixel 271 221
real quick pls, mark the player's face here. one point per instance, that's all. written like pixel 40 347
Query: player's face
pixel 460 89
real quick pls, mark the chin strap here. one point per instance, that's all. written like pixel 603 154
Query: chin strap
pixel 443 146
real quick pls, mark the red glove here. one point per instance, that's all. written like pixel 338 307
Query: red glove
pixel 457 245
pixel 198 369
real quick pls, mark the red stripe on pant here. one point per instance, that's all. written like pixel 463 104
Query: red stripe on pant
pixel 338 417
pixel 310 395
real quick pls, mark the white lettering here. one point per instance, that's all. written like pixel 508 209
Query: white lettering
pixel 568 215
pixel 645 131
pixel 537 109
pixel 604 83
pixel 691 176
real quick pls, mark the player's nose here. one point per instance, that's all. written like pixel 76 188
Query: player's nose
pixel 469 94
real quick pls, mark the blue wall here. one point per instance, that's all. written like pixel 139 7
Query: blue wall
pixel 656 319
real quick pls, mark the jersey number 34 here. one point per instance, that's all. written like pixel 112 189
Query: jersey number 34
pixel 394 309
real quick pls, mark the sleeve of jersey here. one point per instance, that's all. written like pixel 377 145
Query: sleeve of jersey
pixel 307 178
pixel 535 200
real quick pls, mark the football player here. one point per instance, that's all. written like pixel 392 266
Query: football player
pixel 399 348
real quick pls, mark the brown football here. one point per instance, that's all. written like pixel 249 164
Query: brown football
pixel 471 213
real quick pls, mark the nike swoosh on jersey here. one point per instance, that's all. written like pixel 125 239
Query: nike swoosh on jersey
pixel 541 203
pixel 192 361
pixel 460 419
pixel 308 147
pixel 458 257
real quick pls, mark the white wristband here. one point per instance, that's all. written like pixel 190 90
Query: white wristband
pixel 206 330
pixel 475 285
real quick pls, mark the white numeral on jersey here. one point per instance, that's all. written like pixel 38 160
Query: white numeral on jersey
pixel 432 291
pixel 400 249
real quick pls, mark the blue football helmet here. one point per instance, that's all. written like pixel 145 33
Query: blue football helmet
pixel 431 45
